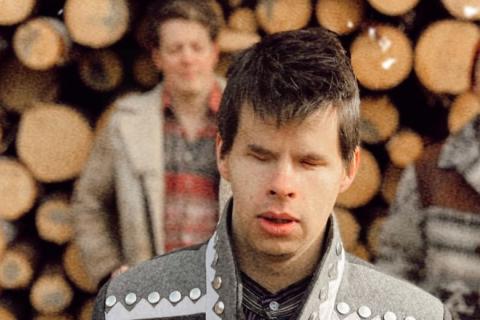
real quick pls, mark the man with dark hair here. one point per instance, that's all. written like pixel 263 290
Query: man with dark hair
pixel 151 183
pixel 288 144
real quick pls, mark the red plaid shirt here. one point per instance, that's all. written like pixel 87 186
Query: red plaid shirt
pixel 191 177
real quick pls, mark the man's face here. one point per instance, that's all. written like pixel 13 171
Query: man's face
pixel 186 56
pixel 285 181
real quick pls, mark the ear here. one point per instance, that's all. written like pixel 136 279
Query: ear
pixel 157 58
pixel 222 161
pixel 351 171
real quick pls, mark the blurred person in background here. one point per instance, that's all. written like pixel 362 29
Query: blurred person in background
pixel 151 183
pixel 432 235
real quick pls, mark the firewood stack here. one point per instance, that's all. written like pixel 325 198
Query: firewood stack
pixel 63 62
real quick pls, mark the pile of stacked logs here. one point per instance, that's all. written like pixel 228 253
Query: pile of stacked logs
pixel 63 62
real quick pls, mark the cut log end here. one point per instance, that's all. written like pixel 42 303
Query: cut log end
pixel 366 183
pixel 463 9
pixel 379 119
pixel 18 189
pixel 96 23
pixel 448 72
pixel 340 16
pixel 15 11
pixel 349 228
pixel 393 7
pixel 54 221
pixel 404 148
pixel 382 57
pixel 54 142
pixel 283 15
pixel 463 110
pixel 51 294
pixel 75 269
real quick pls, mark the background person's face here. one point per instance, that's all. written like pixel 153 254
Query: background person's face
pixel 186 56
pixel 285 182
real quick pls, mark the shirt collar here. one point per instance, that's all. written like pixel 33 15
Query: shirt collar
pixel 214 98
pixel 221 264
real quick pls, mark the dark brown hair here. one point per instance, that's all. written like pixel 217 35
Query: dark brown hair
pixel 288 76
pixel 193 10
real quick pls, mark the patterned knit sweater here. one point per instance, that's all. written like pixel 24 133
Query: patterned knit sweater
pixel 432 235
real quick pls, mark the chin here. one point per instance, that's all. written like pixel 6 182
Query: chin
pixel 276 251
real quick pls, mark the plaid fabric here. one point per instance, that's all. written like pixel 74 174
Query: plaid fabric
pixel 259 304
pixel 191 206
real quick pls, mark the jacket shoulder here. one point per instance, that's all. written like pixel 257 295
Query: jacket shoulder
pixel 172 277
pixel 135 102
pixel 364 286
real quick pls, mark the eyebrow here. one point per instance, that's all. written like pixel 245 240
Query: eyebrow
pixel 260 150
pixel 265 152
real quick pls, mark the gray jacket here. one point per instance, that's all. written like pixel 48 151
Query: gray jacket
pixel 118 200
pixel 203 283
pixel 432 235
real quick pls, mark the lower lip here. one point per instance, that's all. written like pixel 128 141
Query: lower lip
pixel 277 229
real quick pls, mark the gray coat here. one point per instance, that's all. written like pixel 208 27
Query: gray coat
pixel 202 283
pixel 118 200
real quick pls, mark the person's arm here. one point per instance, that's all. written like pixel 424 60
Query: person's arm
pixel 401 240
pixel 92 207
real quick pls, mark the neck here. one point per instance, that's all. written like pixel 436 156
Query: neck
pixel 190 104
pixel 275 273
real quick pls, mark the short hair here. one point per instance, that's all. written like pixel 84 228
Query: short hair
pixel 288 76
pixel 160 11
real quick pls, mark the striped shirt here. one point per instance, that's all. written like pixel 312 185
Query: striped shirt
pixel 259 304
pixel 191 178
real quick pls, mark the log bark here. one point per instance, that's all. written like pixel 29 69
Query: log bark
pixel 54 220
pixel 101 70
pixel 51 293
pixel 404 147
pixel 53 141
pixel 18 265
pixel 96 23
pixel 243 19
pixel 463 9
pixel 20 87
pixel 283 15
pixel 340 16
pixel 381 57
pixel 379 119
pixel 365 185
pixel 18 189
pixel 393 7
pixel 42 43
pixel 444 56
pixel 464 108
pixel 349 228
pixel 230 40
pixel 15 11
pixel 391 177
pixel 75 269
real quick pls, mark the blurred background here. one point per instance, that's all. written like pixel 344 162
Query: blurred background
pixel 62 63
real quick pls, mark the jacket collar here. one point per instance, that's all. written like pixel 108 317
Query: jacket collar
pixel 462 153
pixel 138 117
pixel 222 274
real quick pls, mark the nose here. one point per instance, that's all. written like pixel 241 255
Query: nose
pixel 282 184
pixel 187 55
